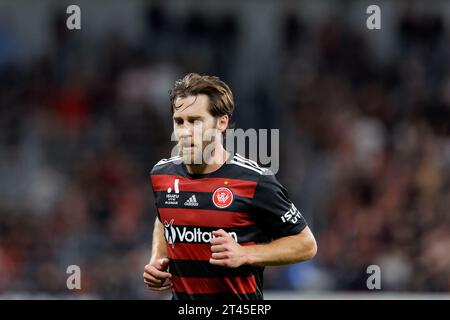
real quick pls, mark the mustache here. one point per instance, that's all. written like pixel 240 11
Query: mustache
pixel 187 144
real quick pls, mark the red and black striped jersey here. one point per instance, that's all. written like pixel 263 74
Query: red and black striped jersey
pixel 240 197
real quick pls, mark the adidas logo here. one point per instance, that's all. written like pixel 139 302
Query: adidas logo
pixel 191 202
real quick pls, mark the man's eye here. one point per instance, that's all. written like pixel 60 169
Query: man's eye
pixel 179 122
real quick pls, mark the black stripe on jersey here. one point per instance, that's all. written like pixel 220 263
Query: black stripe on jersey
pixel 204 200
pixel 194 234
pixel 204 269
pixel 216 296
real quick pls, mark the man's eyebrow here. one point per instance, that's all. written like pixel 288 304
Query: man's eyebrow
pixel 193 117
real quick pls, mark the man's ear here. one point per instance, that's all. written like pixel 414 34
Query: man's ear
pixel 222 123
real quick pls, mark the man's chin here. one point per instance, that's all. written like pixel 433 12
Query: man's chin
pixel 191 158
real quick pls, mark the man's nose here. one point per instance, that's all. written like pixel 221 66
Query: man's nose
pixel 186 131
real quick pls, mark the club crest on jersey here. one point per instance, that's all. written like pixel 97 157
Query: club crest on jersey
pixel 222 197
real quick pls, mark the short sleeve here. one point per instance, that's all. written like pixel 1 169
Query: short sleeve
pixel 274 210
pixel 155 198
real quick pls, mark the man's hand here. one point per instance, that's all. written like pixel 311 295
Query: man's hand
pixel 226 252
pixel 156 277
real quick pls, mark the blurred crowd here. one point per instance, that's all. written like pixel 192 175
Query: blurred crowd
pixel 365 149
pixel 372 141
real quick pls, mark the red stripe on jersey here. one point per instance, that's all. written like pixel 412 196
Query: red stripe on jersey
pixel 205 218
pixel 236 285
pixel 193 251
pixel 242 188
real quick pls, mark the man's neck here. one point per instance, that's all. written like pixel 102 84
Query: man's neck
pixel 204 168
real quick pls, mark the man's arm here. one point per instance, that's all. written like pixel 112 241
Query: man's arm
pixel 158 242
pixel 155 275
pixel 227 252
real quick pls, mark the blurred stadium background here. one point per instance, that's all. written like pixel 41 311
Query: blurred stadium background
pixel 363 116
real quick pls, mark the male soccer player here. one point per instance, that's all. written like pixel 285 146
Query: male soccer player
pixel 218 222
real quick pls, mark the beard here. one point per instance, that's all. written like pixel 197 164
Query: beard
pixel 202 150
pixel 191 155
pixel 200 153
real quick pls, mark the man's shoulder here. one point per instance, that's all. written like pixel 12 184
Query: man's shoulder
pixel 249 167
pixel 265 178
pixel 166 165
